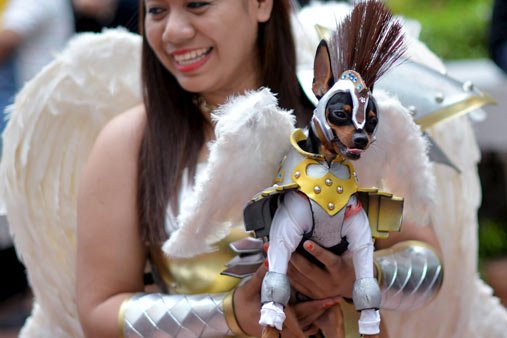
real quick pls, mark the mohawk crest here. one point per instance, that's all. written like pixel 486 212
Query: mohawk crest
pixel 368 41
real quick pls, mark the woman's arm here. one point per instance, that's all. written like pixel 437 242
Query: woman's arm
pixel 110 254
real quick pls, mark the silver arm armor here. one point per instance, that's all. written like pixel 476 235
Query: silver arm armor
pixel 275 288
pixel 366 294
pixel 162 315
pixel 410 274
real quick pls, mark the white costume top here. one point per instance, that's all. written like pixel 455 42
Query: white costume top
pixel 292 220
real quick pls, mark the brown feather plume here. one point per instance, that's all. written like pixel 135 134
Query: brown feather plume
pixel 368 41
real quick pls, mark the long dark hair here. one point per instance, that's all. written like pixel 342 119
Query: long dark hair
pixel 175 129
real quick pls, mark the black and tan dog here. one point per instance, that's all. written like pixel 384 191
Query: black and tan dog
pixel 366 44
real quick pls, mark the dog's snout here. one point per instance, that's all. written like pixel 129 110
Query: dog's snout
pixel 360 140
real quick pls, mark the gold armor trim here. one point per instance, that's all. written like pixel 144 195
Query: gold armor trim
pixel 121 315
pixel 455 110
pixel 281 173
pixel 405 245
pixel 338 192
pixel 199 274
pixel 298 136
pixel 384 210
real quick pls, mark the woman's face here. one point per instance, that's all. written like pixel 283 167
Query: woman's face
pixel 209 46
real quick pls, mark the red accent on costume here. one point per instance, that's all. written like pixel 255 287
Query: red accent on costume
pixel 302 195
pixel 352 210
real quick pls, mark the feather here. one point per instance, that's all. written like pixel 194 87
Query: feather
pixel 53 125
pixel 368 41
pixel 252 134
pixel 398 160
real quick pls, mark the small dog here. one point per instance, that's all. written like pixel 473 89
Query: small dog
pixel 343 126
pixel 316 186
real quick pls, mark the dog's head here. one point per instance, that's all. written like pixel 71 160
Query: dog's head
pixel 346 116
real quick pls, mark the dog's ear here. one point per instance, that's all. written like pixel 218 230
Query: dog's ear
pixel 322 72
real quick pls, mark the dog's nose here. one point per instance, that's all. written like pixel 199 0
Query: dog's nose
pixel 360 140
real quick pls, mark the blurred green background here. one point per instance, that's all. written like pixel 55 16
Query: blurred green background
pixel 453 29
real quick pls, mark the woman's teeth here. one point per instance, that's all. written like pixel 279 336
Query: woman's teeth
pixel 192 57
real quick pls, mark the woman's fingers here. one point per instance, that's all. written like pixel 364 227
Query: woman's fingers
pixel 302 283
pixel 331 323
pixel 292 323
pixel 324 256
pixel 308 312
pixel 336 277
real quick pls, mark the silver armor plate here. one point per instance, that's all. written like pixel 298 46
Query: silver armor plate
pixel 366 294
pixel 327 229
pixel 275 288
pixel 412 276
pixel 182 316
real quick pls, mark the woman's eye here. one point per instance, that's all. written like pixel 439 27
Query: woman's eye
pixel 155 10
pixel 197 4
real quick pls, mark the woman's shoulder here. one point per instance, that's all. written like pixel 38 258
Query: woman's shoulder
pixel 127 125
pixel 117 145
pixel 125 131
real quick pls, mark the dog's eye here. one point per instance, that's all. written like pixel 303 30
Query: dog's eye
pixel 338 117
pixel 371 123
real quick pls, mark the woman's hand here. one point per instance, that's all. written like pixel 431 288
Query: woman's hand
pixel 312 315
pixel 335 279
pixel 247 303
pixel 331 323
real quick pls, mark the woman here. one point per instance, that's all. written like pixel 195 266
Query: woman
pixel 216 49
pixel 195 55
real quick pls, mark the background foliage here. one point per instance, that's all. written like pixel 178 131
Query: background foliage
pixel 453 29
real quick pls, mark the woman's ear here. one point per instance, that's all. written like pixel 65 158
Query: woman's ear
pixel 264 8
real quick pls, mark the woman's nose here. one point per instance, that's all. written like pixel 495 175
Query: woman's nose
pixel 178 28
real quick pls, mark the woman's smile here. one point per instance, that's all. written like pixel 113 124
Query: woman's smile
pixel 188 60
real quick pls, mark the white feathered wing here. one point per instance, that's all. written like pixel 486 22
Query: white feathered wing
pixel 252 134
pixel 53 125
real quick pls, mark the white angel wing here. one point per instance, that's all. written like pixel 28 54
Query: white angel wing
pixel 398 160
pixel 53 125
pixel 252 134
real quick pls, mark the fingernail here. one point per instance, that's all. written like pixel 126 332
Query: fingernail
pixel 265 263
pixel 336 301
pixel 266 246
pixel 309 246
pixel 327 304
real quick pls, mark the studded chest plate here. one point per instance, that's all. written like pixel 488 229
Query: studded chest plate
pixel 323 185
